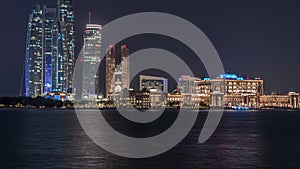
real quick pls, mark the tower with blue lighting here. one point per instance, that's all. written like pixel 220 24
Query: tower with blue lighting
pixel 67 30
pixel 34 66
pixel 50 44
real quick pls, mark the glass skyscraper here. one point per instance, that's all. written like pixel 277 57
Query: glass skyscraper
pixel 91 61
pixel 67 28
pixel 34 66
pixel 49 33
pixel 50 44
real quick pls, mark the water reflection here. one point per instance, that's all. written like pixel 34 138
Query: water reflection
pixel 54 139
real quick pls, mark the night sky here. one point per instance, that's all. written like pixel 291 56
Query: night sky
pixel 253 38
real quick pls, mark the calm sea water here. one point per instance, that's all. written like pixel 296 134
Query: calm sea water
pixel 246 139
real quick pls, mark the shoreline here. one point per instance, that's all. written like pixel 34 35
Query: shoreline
pixel 114 108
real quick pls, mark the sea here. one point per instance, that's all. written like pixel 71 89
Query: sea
pixel 54 138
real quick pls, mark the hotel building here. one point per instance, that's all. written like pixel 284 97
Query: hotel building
pixel 237 91
pixel 50 44
pixel 34 67
pixel 226 90
pixel 290 100
pixel 67 32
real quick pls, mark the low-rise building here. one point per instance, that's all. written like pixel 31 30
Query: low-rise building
pixel 290 100
pixel 140 99
pixel 175 99
pixel 237 90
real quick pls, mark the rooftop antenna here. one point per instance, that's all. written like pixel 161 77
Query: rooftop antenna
pixel 90 17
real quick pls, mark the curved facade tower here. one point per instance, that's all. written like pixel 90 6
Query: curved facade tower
pixel 67 29
pixel 50 49
pixel 34 67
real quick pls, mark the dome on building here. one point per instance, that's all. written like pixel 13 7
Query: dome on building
pixel 228 76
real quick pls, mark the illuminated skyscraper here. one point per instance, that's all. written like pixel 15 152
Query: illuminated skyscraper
pixel 110 69
pixel 117 70
pixel 58 60
pixel 67 30
pixel 125 67
pixel 122 70
pixel 91 60
pixel 34 53
pixel 50 44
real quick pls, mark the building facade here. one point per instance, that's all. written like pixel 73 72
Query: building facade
pixel 117 71
pixel 91 61
pixel 34 66
pixel 125 67
pixel 140 99
pixel 121 74
pixel 153 82
pixel 290 100
pixel 187 84
pixel 174 99
pixel 110 69
pixel 67 30
pixel 50 49
pixel 226 90
pixel 237 90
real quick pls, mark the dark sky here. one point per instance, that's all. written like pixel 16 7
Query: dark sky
pixel 253 38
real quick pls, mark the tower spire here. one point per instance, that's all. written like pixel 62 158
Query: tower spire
pixel 90 17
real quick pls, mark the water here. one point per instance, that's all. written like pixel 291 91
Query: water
pixel 54 139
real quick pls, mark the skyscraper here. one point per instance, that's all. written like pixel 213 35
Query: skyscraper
pixel 117 70
pixel 34 53
pixel 91 60
pixel 125 67
pixel 67 29
pixel 58 60
pixel 110 69
pixel 49 61
pixel 49 34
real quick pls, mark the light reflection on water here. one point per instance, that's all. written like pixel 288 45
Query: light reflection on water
pixel 245 139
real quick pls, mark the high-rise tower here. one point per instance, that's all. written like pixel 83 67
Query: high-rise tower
pixel 125 64
pixel 50 44
pixel 91 60
pixel 110 69
pixel 67 30
pixel 117 70
pixel 34 66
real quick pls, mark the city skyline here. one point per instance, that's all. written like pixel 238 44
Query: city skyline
pixel 235 59
pixel 150 84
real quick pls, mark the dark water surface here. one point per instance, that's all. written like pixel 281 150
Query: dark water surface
pixel 54 139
